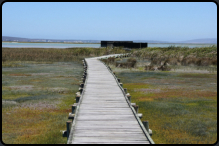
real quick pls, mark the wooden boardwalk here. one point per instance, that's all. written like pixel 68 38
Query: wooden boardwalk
pixel 103 114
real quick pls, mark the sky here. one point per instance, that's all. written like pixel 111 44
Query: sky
pixel 163 21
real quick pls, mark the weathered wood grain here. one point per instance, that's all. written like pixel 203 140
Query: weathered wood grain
pixel 104 115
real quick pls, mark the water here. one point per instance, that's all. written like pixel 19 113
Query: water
pixel 65 45
pixel 47 45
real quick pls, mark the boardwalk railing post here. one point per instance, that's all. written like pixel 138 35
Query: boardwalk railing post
pixel 136 108
pixel 71 116
pixel 118 80
pixel 73 107
pixel 84 76
pixel 80 90
pixel 146 125
pixel 64 133
pixel 68 124
pixel 125 89
pixel 140 115
pixel 83 80
pixel 77 98
pixel 128 96
pixel 82 85
pixel 78 93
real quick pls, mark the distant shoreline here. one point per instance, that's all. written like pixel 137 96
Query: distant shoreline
pixel 99 43
pixel 48 42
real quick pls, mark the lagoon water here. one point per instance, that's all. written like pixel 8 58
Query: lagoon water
pixel 46 45
pixel 65 45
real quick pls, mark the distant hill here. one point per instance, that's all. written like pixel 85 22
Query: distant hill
pixel 201 41
pixel 195 41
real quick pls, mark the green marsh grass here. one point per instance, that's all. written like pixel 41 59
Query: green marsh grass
pixel 181 107
pixel 36 99
pixel 39 85
pixel 51 54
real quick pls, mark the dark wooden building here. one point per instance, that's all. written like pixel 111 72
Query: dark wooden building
pixel 125 44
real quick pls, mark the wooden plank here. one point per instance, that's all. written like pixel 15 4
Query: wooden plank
pixel 110 142
pixel 104 115
pixel 107 123
pixel 109 131
pixel 103 131
pixel 107 139
pixel 105 112
pixel 105 104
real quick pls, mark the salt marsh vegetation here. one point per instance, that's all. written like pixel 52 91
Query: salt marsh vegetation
pixel 39 85
pixel 180 104
pixel 36 99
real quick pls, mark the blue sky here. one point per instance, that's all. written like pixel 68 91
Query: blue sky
pixel 163 21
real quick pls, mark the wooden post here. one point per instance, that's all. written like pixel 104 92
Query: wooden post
pixel 80 89
pixel 64 133
pixel 82 85
pixel 73 107
pixel 136 108
pixel 129 97
pixel 121 84
pixel 71 116
pixel 68 125
pixel 150 132
pixel 77 98
pixel 140 115
pixel 125 89
pixel 78 93
pixel 146 125
pixel 118 80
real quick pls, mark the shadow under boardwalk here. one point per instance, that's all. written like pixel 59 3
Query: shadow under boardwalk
pixel 103 114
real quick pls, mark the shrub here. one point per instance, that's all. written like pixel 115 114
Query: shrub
pixel 131 62
pixel 179 55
